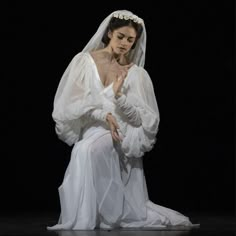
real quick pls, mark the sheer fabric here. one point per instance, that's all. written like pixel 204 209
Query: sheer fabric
pixel 104 184
pixel 80 98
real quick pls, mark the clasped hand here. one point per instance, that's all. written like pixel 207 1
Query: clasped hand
pixel 113 125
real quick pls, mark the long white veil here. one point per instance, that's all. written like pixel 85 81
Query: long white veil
pixel 137 55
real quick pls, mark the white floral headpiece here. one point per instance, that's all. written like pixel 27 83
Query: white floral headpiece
pixel 126 16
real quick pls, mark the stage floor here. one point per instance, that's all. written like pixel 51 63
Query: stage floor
pixel 34 223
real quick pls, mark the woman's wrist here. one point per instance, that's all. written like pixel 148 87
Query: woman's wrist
pixel 117 95
pixel 108 115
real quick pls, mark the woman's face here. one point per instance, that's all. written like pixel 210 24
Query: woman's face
pixel 122 39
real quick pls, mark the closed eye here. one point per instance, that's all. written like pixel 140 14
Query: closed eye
pixel 130 39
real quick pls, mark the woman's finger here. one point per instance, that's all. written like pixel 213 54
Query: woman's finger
pixel 129 65
pixel 116 135
pixel 124 73
pixel 115 124
pixel 113 131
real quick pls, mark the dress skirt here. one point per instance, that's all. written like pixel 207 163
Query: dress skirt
pixel 102 188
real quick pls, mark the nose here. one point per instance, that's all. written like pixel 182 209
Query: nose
pixel 124 42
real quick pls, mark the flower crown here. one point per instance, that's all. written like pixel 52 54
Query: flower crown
pixel 125 16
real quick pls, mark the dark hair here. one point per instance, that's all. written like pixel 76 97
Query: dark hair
pixel 116 23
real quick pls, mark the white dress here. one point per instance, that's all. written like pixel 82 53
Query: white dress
pixel 104 184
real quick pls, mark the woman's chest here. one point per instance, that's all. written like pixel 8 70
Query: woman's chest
pixel 108 70
pixel 107 73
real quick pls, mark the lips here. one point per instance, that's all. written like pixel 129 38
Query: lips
pixel 121 48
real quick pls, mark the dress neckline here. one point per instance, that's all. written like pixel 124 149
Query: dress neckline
pixel 97 74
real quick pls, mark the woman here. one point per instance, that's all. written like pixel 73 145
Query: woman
pixel 106 107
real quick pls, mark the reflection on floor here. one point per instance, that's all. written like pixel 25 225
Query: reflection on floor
pixel 34 223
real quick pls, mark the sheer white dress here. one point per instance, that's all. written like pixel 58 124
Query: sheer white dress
pixel 104 184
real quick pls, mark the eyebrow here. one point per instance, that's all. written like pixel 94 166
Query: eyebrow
pixel 131 37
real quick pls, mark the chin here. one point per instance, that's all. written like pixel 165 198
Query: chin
pixel 117 52
pixel 120 52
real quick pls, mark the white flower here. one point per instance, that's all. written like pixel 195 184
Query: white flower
pixel 131 17
pixel 140 20
pixel 116 15
pixel 126 17
pixel 121 16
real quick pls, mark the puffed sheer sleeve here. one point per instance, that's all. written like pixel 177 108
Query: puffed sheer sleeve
pixel 76 100
pixel 140 110
pixel 129 111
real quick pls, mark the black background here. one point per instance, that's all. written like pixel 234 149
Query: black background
pixel 190 60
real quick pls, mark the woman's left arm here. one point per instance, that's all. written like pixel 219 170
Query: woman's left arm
pixel 139 105
pixel 128 109
pixel 139 100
